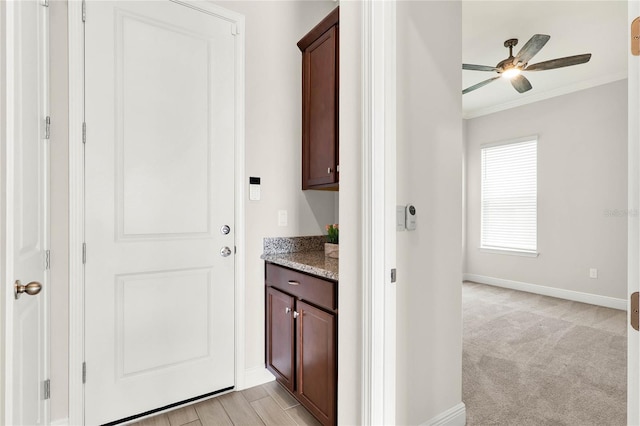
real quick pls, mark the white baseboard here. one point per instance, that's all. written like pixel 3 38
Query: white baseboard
pixel 256 376
pixel 60 422
pixel 576 296
pixel 454 416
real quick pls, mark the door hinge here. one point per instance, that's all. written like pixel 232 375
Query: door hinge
pixel 84 132
pixel 44 3
pixel 84 253
pixel 393 275
pixel 84 11
pixel 47 127
pixel 635 309
pixel 84 372
pixel 47 260
pixel 234 29
pixel 47 389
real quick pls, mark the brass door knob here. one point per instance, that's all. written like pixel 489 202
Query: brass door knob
pixel 31 289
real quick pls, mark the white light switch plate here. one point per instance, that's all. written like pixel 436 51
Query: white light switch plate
pixel 283 218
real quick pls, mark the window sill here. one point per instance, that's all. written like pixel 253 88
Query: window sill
pixel 510 252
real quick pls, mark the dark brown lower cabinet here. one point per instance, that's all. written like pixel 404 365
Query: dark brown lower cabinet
pixel 301 339
pixel 280 351
pixel 316 359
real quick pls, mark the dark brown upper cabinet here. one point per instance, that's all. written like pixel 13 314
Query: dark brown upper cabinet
pixel 320 78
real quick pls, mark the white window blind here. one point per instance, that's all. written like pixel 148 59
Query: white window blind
pixel 509 196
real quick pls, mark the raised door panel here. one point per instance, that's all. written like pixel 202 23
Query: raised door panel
pixel 317 362
pixel 280 337
pixel 320 110
pixel 164 174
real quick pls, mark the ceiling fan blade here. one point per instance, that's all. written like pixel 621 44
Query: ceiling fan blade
pixel 520 83
pixel 478 67
pixel 559 63
pixel 530 49
pixel 479 85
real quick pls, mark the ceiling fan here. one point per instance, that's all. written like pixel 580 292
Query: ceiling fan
pixel 511 67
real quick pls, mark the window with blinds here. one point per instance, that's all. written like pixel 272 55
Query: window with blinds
pixel 509 196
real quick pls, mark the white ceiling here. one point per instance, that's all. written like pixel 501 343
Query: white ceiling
pixel 575 27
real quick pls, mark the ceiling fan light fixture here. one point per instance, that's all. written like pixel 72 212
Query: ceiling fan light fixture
pixel 510 68
pixel 511 73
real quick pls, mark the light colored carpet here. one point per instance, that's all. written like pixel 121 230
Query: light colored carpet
pixel 537 360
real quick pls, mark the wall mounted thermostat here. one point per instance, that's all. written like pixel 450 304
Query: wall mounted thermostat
pixel 410 217
pixel 254 188
pixel 405 217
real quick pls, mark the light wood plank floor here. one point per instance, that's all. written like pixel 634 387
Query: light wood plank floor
pixel 268 404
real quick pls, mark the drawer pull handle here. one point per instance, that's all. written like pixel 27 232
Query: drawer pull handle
pixel 294 283
pixel 287 310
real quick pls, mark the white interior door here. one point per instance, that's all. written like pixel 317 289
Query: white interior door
pixel 633 343
pixel 159 161
pixel 27 214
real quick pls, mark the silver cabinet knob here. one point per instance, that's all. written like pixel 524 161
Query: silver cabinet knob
pixel 287 310
pixel 225 251
pixel 225 229
pixel 31 289
pixel 296 314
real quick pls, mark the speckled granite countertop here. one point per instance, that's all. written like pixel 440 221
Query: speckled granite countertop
pixel 305 254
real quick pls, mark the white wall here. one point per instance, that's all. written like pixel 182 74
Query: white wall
pixel 59 318
pixel 273 152
pixel 429 175
pixel 582 191
pixel 350 300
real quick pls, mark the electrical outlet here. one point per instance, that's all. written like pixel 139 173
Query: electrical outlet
pixel 283 218
pixel 593 273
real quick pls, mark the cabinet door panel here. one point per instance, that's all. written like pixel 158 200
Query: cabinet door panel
pixel 320 110
pixel 317 361
pixel 280 341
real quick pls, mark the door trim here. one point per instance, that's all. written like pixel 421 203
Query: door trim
pixel 379 210
pixel 76 198
pixel 6 220
pixel 633 231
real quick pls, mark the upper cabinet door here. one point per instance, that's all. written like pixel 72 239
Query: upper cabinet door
pixel 320 105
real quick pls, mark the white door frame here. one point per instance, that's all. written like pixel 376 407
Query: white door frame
pixel 633 266
pixel 76 198
pixel 379 212
pixel 6 313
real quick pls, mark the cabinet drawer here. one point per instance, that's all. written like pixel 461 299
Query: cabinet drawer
pixel 306 287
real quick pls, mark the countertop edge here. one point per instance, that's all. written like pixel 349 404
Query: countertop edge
pixel 280 259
